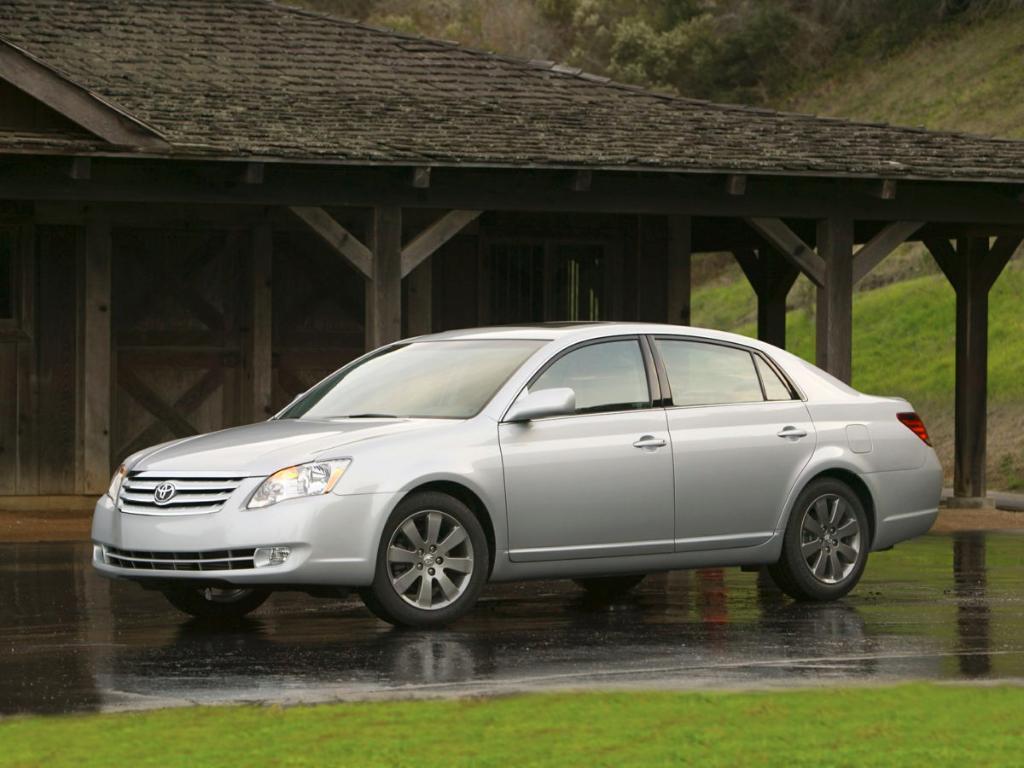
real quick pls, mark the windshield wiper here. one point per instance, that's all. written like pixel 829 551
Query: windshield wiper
pixel 368 416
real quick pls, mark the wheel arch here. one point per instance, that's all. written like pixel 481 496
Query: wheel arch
pixel 857 485
pixel 471 499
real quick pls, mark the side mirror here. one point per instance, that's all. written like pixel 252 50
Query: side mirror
pixel 560 401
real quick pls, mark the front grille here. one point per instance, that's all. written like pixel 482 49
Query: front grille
pixel 191 496
pixel 215 560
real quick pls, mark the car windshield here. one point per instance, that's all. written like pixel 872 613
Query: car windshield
pixel 426 379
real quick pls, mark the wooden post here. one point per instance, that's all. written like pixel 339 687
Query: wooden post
pixel 971 370
pixel 651 268
pixel 259 341
pixel 771 276
pixel 679 269
pixel 419 299
pixel 384 288
pixel 972 269
pixel 94 393
pixel 835 298
pixel 821 329
pixel 777 276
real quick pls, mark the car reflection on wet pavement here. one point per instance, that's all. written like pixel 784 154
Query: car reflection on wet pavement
pixel 940 607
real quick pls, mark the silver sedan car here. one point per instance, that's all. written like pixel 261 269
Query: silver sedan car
pixel 595 452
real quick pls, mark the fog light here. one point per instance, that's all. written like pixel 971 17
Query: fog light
pixel 265 556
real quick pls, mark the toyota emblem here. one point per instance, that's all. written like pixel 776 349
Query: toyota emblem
pixel 164 493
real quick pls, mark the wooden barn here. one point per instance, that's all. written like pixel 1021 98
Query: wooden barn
pixel 206 206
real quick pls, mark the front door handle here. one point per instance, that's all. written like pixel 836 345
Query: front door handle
pixel 792 432
pixel 650 441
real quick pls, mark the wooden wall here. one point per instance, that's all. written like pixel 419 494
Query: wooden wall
pixel 189 311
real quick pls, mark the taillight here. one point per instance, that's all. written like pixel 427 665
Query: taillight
pixel 913 422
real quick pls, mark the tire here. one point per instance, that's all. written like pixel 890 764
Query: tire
pixel 609 587
pixel 210 604
pixel 417 586
pixel 823 567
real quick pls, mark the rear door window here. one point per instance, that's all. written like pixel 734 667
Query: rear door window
pixel 701 373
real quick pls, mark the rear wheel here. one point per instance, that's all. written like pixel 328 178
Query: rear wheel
pixel 432 562
pixel 825 547
pixel 216 604
pixel 610 587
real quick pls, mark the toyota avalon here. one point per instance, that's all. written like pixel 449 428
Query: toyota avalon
pixel 595 452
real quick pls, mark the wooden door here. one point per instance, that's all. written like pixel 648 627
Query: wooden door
pixel 178 304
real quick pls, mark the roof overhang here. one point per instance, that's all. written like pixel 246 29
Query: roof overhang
pixel 22 70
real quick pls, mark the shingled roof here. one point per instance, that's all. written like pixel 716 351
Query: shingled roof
pixel 251 78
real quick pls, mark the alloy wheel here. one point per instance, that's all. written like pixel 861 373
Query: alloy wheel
pixel 830 539
pixel 430 559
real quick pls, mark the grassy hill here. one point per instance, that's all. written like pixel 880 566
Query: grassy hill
pixel 967 76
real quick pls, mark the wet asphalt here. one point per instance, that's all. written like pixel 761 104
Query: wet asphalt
pixel 938 608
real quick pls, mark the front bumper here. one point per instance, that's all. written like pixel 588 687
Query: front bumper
pixel 333 539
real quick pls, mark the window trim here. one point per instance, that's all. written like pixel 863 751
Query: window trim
pixel 654 393
pixel 795 393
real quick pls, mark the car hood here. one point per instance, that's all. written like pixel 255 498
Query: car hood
pixel 260 449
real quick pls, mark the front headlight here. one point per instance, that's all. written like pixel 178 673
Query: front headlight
pixel 115 482
pixel 313 479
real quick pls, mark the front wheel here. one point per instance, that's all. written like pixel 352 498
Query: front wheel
pixel 432 562
pixel 825 547
pixel 216 604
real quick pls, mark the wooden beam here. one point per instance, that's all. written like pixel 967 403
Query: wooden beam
pixel 835 306
pixel 384 288
pixel 421 177
pixel 433 237
pixel 871 254
pixel 581 180
pixel 751 266
pixel 791 246
pixel 95 383
pixel 74 102
pixel 258 340
pixel 887 189
pixel 679 269
pixel 736 184
pixel 81 168
pixel 946 257
pixel 170 181
pixel 336 236
pixel 999 255
pixel 253 173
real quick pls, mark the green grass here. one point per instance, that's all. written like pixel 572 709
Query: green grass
pixel 904 725
pixel 960 76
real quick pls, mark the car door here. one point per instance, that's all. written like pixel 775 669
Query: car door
pixel 598 482
pixel 740 437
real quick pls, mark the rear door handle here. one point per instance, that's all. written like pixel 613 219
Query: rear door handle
pixel 792 432
pixel 650 441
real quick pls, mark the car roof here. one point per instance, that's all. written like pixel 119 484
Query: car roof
pixel 581 331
